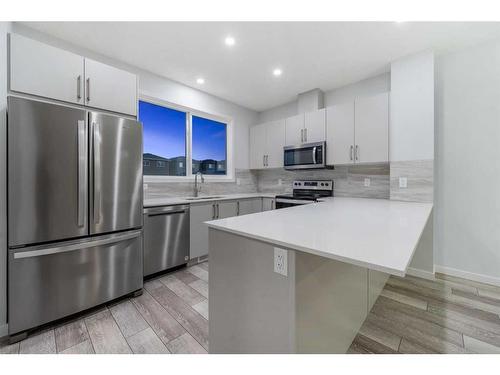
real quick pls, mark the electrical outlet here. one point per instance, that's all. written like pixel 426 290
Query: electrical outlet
pixel 280 182
pixel 403 182
pixel 238 181
pixel 145 186
pixel 281 261
pixel 367 182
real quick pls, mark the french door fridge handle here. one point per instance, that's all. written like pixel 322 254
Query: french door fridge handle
pixel 82 171
pixel 97 172
pixel 76 246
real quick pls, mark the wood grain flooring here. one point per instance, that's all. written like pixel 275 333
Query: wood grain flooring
pixel 412 315
pixel 445 315
pixel 169 317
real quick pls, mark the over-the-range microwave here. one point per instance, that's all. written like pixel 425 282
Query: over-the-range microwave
pixel 305 156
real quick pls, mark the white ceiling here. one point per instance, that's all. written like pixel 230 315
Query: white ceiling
pixel 312 55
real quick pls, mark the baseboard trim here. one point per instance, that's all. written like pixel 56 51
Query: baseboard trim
pixel 4 330
pixel 485 279
pixel 420 273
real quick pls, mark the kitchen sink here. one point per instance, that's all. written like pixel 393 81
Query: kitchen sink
pixel 201 198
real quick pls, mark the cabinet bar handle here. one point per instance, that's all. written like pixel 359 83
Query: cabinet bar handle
pixel 238 208
pixel 351 152
pixel 88 90
pixel 79 87
pixel 357 152
pixel 213 211
pixel 305 135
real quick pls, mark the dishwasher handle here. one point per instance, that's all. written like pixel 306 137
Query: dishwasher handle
pixel 168 213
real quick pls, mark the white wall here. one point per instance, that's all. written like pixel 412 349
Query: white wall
pixel 4 29
pixel 412 108
pixel 366 87
pixel 173 92
pixel 468 163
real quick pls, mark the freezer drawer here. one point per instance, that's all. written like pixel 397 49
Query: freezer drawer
pixel 50 282
pixel 166 238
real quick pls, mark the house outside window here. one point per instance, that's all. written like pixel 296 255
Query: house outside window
pixel 179 142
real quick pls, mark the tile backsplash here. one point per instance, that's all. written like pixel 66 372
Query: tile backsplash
pixel 349 182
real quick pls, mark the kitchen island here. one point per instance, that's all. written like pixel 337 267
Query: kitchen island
pixel 334 257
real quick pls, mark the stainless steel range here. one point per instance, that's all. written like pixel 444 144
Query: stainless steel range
pixel 305 192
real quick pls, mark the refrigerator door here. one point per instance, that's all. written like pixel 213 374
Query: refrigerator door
pixel 116 173
pixel 48 282
pixel 47 172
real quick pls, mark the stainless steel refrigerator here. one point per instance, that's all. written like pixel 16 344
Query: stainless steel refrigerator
pixel 74 210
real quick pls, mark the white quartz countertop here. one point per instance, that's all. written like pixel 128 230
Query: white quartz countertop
pixel 171 201
pixel 378 234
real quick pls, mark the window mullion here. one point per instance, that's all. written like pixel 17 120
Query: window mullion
pixel 189 145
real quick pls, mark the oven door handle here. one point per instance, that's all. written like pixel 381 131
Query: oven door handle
pixel 293 201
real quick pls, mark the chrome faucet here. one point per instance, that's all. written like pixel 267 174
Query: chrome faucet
pixel 197 188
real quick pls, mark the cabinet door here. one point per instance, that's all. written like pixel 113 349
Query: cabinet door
pixel 315 124
pixel 340 134
pixel 275 141
pixel 372 129
pixel 43 70
pixel 227 209
pixel 110 88
pixel 267 204
pixel 249 206
pixel 257 146
pixel 293 130
pixel 198 236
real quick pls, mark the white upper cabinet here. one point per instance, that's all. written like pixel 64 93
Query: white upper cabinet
pixel 315 124
pixel 258 146
pixel 266 145
pixel 372 129
pixel 340 134
pixel 110 88
pixel 294 130
pixel 275 141
pixel 358 131
pixel 42 70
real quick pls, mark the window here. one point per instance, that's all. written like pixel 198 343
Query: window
pixel 181 143
pixel 164 137
pixel 209 146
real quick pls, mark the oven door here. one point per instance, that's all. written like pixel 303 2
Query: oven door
pixel 285 202
pixel 306 156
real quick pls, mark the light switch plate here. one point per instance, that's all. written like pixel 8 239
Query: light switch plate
pixel 238 181
pixel 280 182
pixel 403 182
pixel 145 186
pixel 281 261
pixel 367 182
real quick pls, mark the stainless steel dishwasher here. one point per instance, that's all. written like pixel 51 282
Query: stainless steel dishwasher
pixel 166 238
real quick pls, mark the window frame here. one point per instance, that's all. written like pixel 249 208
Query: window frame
pixel 229 176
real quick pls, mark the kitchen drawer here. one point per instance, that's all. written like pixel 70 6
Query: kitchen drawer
pixel 48 283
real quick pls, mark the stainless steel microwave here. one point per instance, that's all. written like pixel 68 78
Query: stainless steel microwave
pixel 305 156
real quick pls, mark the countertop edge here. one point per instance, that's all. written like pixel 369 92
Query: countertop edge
pixel 371 266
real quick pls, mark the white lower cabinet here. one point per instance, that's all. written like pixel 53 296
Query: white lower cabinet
pixel 226 209
pixel 249 206
pixel 268 204
pixel 198 214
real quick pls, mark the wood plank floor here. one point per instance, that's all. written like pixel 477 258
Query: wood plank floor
pixel 412 315
pixel 170 317
pixel 445 315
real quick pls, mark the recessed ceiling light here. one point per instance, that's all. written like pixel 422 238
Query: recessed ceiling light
pixel 200 81
pixel 277 72
pixel 230 41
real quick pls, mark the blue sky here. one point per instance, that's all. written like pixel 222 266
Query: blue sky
pixel 164 130
pixel 209 139
pixel 164 133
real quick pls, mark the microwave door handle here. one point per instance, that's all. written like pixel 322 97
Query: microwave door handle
pixel 314 155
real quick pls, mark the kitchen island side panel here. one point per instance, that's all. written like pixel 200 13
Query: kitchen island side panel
pixel 251 307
